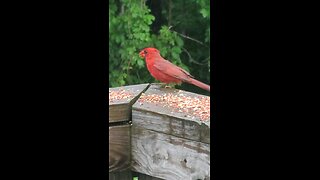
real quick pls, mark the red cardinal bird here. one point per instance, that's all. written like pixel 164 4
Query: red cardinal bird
pixel 167 72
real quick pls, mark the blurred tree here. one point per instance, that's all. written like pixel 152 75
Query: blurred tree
pixel 180 29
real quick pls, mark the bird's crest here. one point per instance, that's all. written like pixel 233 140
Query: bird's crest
pixel 148 50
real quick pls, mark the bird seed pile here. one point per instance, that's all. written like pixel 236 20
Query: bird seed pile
pixel 192 107
pixel 119 95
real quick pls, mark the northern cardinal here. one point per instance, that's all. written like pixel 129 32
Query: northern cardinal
pixel 167 72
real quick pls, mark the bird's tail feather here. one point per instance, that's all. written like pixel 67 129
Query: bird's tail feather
pixel 200 84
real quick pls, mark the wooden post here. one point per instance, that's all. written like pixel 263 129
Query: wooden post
pixel 168 144
pixel 120 102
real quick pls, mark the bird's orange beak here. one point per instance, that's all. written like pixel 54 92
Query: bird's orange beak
pixel 142 54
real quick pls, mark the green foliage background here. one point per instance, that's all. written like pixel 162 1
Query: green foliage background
pixel 180 29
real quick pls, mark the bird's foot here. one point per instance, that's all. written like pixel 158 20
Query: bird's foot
pixel 170 85
pixel 158 84
pixel 165 85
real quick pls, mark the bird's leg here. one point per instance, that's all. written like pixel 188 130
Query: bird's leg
pixel 156 83
pixel 160 85
pixel 164 85
pixel 170 85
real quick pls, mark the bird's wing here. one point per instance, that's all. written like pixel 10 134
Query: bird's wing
pixel 172 70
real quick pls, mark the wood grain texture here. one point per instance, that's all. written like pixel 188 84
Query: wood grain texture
pixel 119 148
pixel 169 157
pixel 120 110
pixel 171 125
pixel 162 119
pixel 119 135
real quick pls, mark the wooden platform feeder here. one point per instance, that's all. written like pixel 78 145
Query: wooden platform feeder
pixel 120 103
pixel 171 134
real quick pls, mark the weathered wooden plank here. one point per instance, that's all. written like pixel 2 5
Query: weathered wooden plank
pixel 165 119
pixel 171 125
pixel 119 148
pixel 119 112
pixel 148 177
pixel 169 157
pixel 142 176
pixel 121 100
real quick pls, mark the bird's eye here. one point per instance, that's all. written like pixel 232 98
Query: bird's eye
pixel 145 51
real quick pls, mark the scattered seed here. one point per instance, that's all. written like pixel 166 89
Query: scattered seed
pixel 120 94
pixel 192 106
